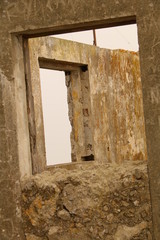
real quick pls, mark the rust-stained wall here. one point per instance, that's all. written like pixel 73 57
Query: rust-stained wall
pixel 105 102
pixel 118 110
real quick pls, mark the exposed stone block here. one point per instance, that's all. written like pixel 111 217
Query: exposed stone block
pixel 89 203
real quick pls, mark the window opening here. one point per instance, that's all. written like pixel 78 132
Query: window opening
pixel 122 37
pixel 57 127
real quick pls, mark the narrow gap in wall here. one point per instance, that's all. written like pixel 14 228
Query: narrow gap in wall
pixel 57 127
pixel 88 158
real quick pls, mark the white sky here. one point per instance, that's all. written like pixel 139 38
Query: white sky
pixel 55 115
pixel 54 92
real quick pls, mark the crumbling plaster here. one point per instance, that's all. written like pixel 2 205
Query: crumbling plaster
pixel 19 18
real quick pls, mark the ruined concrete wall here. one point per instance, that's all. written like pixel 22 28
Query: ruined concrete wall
pixel 91 200
pixel 109 202
pixel 21 17
pixel 105 102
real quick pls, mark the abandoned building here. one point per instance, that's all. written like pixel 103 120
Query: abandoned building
pixel 111 189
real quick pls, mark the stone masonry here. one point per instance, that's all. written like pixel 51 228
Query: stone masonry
pixel 108 202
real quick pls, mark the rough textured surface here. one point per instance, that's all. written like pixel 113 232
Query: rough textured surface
pixel 23 17
pixel 105 102
pixel 107 202
pixel 116 96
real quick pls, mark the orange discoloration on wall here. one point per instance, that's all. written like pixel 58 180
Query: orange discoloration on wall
pixel 118 108
pixel 76 127
pixel 38 208
pixel 75 95
pixel 33 210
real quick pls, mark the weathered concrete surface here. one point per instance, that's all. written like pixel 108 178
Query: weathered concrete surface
pixel 32 17
pixel 117 107
pixel 105 102
pixel 109 202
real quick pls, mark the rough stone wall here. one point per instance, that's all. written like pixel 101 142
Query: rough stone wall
pixel 105 102
pixel 108 202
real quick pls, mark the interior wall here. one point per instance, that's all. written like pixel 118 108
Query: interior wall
pixel 115 107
